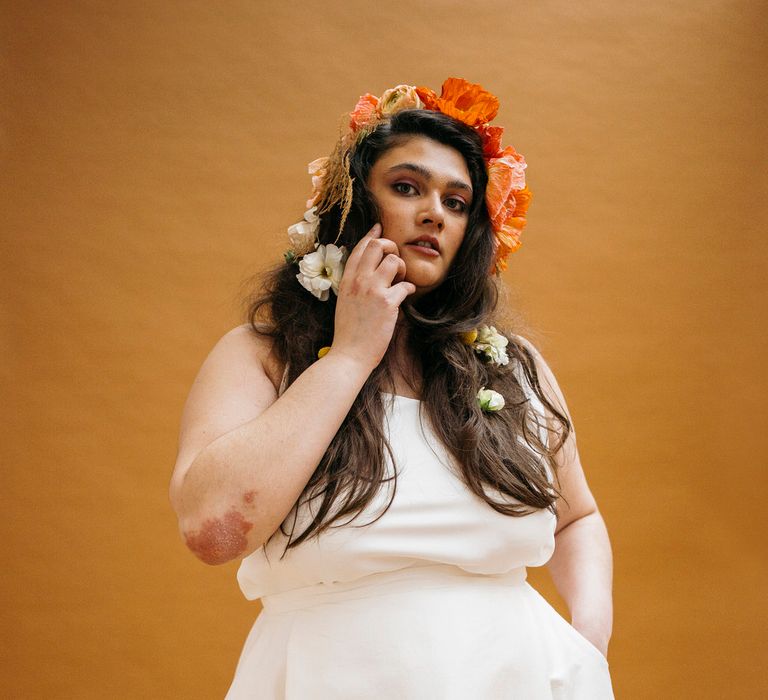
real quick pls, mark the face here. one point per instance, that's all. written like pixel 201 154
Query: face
pixel 423 192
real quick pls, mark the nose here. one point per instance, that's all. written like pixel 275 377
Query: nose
pixel 433 214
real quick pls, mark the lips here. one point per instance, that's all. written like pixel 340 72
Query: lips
pixel 434 244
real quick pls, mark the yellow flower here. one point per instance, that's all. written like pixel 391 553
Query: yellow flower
pixel 469 337
pixel 322 352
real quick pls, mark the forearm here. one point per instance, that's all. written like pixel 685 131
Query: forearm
pixel 582 571
pixel 243 485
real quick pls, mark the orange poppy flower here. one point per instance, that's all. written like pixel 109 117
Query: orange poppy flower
pixel 508 223
pixel 462 100
pixel 491 136
pixel 522 200
pixel 501 181
pixel 507 241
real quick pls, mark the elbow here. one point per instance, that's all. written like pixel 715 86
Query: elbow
pixel 573 518
pixel 218 540
pixel 213 539
pixel 215 535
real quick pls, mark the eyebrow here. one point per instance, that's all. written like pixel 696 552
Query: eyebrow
pixel 427 175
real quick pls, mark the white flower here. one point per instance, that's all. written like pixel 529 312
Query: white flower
pixel 490 400
pixel 303 234
pixel 322 270
pixel 492 344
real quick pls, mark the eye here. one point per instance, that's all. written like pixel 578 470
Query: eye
pixel 403 187
pixel 456 204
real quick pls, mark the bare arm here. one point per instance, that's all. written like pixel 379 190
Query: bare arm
pixel 245 455
pixel 238 489
pixel 582 565
pixel 582 569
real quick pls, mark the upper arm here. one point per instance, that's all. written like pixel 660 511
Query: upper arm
pixel 231 388
pixel 576 499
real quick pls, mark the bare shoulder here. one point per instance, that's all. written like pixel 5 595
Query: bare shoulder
pixel 251 349
pixel 236 383
pixel 542 367
pixel 547 379
pixel 241 364
pixel 241 353
pixel 528 345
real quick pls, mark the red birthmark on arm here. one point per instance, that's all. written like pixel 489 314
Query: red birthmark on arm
pixel 220 540
pixel 248 496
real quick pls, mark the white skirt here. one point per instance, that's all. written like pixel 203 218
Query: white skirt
pixel 419 633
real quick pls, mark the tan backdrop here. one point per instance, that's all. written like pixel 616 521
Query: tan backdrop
pixel 153 154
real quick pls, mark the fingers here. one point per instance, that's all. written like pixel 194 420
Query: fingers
pixel 376 230
pixel 369 252
pixel 376 250
pixel 353 260
pixel 398 292
pixel 392 268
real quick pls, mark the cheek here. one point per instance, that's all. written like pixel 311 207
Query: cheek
pixel 456 243
pixel 393 226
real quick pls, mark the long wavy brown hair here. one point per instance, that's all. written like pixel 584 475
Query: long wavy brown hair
pixel 501 451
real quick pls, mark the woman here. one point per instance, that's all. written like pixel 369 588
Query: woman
pixel 385 462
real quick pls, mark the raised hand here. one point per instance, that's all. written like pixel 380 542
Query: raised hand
pixel 371 291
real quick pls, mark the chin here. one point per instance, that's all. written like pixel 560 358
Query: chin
pixel 422 288
pixel 424 277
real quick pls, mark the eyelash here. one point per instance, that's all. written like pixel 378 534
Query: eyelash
pixel 462 208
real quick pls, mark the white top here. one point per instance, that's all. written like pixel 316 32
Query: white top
pixel 434 519
pixel 429 602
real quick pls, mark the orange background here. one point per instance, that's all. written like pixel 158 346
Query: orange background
pixel 153 155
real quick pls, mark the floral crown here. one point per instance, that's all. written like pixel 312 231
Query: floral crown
pixel 507 197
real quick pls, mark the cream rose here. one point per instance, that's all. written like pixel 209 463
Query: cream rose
pixel 490 400
pixel 322 270
pixel 398 98
pixel 492 344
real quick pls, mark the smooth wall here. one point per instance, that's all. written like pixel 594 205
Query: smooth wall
pixel 153 154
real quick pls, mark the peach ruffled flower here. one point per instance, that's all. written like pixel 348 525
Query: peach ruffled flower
pixel 303 234
pixel 468 102
pixel 507 198
pixel 364 113
pixel 318 169
pixel 505 174
pixel 512 217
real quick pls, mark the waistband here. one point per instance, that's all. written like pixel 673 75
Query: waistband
pixel 388 582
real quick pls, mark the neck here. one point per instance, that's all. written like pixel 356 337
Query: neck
pixel 403 366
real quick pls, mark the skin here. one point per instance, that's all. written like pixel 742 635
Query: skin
pixel 220 540
pixel 422 187
pixel 582 564
pixel 245 455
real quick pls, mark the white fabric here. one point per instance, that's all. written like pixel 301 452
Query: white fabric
pixel 428 602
